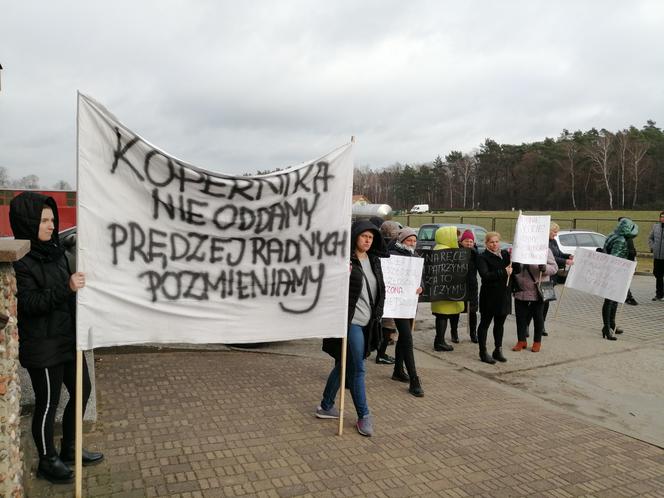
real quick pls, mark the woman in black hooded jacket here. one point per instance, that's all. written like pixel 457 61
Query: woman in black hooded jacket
pixel 47 337
pixel 366 296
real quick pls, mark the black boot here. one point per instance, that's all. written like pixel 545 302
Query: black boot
pixel 486 357
pixel 68 453
pixel 607 334
pixel 455 336
pixel 400 375
pixel 54 470
pixel 473 337
pixel 498 355
pixel 415 387
pixel 439 343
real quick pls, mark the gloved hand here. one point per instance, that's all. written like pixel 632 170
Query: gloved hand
pixel 542 268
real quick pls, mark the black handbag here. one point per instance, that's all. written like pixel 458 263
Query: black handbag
pixel 373 331
pixel 545 289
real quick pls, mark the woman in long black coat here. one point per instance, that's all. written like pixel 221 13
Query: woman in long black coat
pixel 47 336
pixel 495 268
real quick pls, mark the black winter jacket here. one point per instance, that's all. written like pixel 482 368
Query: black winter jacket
pixel 46 304
pixel 495 295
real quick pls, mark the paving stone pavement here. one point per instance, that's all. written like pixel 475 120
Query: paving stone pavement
pixel 240 423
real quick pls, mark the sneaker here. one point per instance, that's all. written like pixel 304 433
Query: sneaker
pixel 385 359
pixel 331 413
pixel 365 425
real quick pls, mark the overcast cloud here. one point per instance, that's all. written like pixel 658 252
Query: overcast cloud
pixel 240 86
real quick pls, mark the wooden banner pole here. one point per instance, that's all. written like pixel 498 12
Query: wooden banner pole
pixel 560 301
pixel 78 470
pixel 342 396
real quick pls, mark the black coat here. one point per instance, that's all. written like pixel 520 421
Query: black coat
pixel 471 279
pixel 46 304
pixel 495 294
pixel 560 257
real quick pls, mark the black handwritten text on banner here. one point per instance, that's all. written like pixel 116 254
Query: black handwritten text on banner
pixel 445 273
pixel 196 256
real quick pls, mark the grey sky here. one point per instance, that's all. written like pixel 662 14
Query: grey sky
pixel 235 88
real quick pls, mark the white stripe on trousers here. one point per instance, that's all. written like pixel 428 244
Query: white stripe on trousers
pixel 48 405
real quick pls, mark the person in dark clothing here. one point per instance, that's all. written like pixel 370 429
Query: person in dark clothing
pixel 366 296
pixel 404 245
pixel 616 245
pixel 656 245
pixel 467 240
pixel 47 336
pixel 631 255
pixel 495 269
pixel 389 231
pixel 563 260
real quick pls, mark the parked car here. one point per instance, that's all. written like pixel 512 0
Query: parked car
pixel 570 240
pixel 426 237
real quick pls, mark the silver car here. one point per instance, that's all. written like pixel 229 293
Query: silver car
pixel 570 240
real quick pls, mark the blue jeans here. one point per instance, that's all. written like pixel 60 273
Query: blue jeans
pixel 355 373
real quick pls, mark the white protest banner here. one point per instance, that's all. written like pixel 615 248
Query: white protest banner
pixel 402 276
pixel 531 240
pixel 601 274
pixel 175 253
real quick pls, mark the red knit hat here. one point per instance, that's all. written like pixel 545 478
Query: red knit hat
pixel 468 234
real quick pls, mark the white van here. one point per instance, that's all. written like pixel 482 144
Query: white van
pixel 420 208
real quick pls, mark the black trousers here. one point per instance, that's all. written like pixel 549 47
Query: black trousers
pixel 498 328
pixel 658 271
pixel 472 316
pixel 525 312
pixel 47 383
pixel 441 325
pixel 404 348
pixel 609 309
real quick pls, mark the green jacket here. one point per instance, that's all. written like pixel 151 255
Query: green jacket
pixel 616 243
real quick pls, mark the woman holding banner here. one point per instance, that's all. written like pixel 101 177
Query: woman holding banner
pixel 495 269
pixel 528 303
pixel 616 245
pixel 563 260
pixel 366 295
pixel 47 336
pixel 444 311
pixel 404 245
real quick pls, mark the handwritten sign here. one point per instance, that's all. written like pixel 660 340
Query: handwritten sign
pixel 601 274
pixel 531 240
pixel 175 253
pixel 402 276
pixel 445 275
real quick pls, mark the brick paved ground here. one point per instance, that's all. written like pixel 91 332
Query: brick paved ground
pixel 229 423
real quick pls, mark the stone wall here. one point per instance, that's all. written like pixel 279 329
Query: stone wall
pixel 11 473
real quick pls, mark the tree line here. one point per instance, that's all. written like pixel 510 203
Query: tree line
pixel 578 170
pixel 28 182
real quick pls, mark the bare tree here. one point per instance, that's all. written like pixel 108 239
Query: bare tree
pixel 27 182
pixel 4 177
pixel 637 151
pixel 622 142
pixel 599 153
pixel 62 185
pixel 571 149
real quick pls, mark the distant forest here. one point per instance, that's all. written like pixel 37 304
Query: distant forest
pixel 580 170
